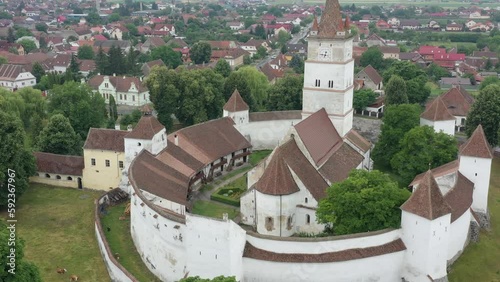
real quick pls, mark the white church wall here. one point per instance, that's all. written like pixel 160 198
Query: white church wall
pixel 240 117
pixel 446 126
pixel 460 232
pixel 214 247
pixel 323 244
pixel 164 203
pixel 477 170
pixel 159 142
pixel 305 221
pixel 265 135
pixel 426 244
pixel 247 207
pixel 380 268
pixel 159 241
pixel 274 213
pixel 133 147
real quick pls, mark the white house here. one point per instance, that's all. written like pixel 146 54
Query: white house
pixel 126 90
pixel 14 77
pixel 438 117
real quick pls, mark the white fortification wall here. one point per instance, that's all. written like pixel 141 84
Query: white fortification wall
pixel 265 135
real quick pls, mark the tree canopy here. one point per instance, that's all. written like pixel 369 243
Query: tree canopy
pixel 85 52
pixel 223 68
pixel 200 52
pixel 28 45
pixel 170 58
pixel 421 149
pixel 486 111
pixel 414 77
pixel 237 80
pixel 395 91
pixel 286 94
pixel 258 84
pixel 365 201
pixel 374 57
pixel 58 137
pixel 13 156
pixel 363 98
pixel 79 104
pixel 398 120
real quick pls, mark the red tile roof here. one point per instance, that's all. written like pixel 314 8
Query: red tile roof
pixel 105 139
pixel 373 74
pixel 340 163
pixel 351 254
pixel 445 169
pixel 236 103
pixel 121 83
pixel 359 141
pixel 280 115
pixel 459 198
pixel 59 164
pixel 427 200
pixel 437 111
pixel 430 50
pixel 331 20
pixel 146 128
pixel 477 145
pixel 319 136
pixel 458 101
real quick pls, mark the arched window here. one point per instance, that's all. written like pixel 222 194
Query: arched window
pixel 139 144
pixel 58 177
pixel 305 200
pixel 70 178
pixel 47 175
pixel 308 219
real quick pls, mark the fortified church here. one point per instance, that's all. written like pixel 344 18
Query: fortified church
pixel 312 149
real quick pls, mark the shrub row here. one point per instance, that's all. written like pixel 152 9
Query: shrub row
pixel 226 200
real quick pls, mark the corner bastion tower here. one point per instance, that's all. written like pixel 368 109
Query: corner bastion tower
pixel 329 69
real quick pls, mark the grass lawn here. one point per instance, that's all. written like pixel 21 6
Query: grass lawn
pixel 57 225
pixel 257 156
pixel 213 209
pixel 120 242
pixel 449 45
pixel 481 261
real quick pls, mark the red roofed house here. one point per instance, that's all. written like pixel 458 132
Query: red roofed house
pixel 370 77
pixel 428 52
pixel 58 170
pixel 14 77
pixel 126 90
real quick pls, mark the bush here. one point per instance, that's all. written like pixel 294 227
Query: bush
pixel 231 198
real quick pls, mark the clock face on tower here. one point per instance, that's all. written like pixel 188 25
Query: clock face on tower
pixel 324 54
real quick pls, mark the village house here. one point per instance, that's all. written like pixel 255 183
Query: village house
pixel 390 52
pixel 58 170
pixel 252 45
pixel 147 67
pixel 126 90
pixel 233 56
pixel 14 77
pixel 370 77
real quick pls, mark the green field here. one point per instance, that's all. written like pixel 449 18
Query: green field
pixel 57 225
pixel 214 209
pixel 257 156
pixel 120 242
pixel 481 261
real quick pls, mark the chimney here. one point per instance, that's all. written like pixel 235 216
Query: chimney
pixel 117 127
pixel 176 140
pixel 129 127
pixel 114 74
pixel 98 73
pixel 124 77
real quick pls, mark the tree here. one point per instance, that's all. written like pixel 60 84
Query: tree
pixel 261 52
pixel 93 18
pixel 374 57
pixel 260 31
pixel 161 83
pixel 236 80
pixel 488 81
pixel 223 68
pixel 398 120
pixel 13 156
pixel 363 98
pixel 116 61
pixel 297 64
pixel 257 83
pixel 283 37
pixel 283 49
pixel 286 94
pixel 170 58
pixel 436 72
pixel 11 37
pixel 486 111
pixel 85 52
pixel 247 60
pixel 79 104
pixel 37 71
pixel 365 201
pixel 58 137
pixel 200 53
pixel 421 149
pixel 28 45
pixel 24 270
pixel 21 31
pixel 41 27
pixel 395 91
pixel 3 60
pixel 42 42
pixel 113 112
pixel 101 62
pixel 114 17
pixel 415 78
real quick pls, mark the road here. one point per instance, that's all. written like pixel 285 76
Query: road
pixel 296 38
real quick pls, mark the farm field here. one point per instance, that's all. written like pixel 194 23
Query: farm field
pixel 57 225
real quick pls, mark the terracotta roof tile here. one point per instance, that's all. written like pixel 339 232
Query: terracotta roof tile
pixel 277 178
pixel 146 128
pixel 331 20
pixel 121 83
pixel 236 103
pixel 459 198
pixel 281 115
pixel 105 139
pixel 158 178
pixel 427 200
pixel 359 141
pixel 59 164
pixel 319 136
pixel 437 111
pixel 180 160
pixel 458 101
pixel 477 145
pixel 338 166
pixel 438 171
pixel 10 72
pixel 373 74
pixel 351 254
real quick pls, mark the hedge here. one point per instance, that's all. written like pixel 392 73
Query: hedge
pixel 226 200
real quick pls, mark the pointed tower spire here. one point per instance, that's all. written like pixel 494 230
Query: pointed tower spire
pixel 331 20
pixel 236 103
pixel 315 24
pixel 477 145
pixel 427 200
pixel 347 23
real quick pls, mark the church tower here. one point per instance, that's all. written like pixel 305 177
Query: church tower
pixel 329 69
